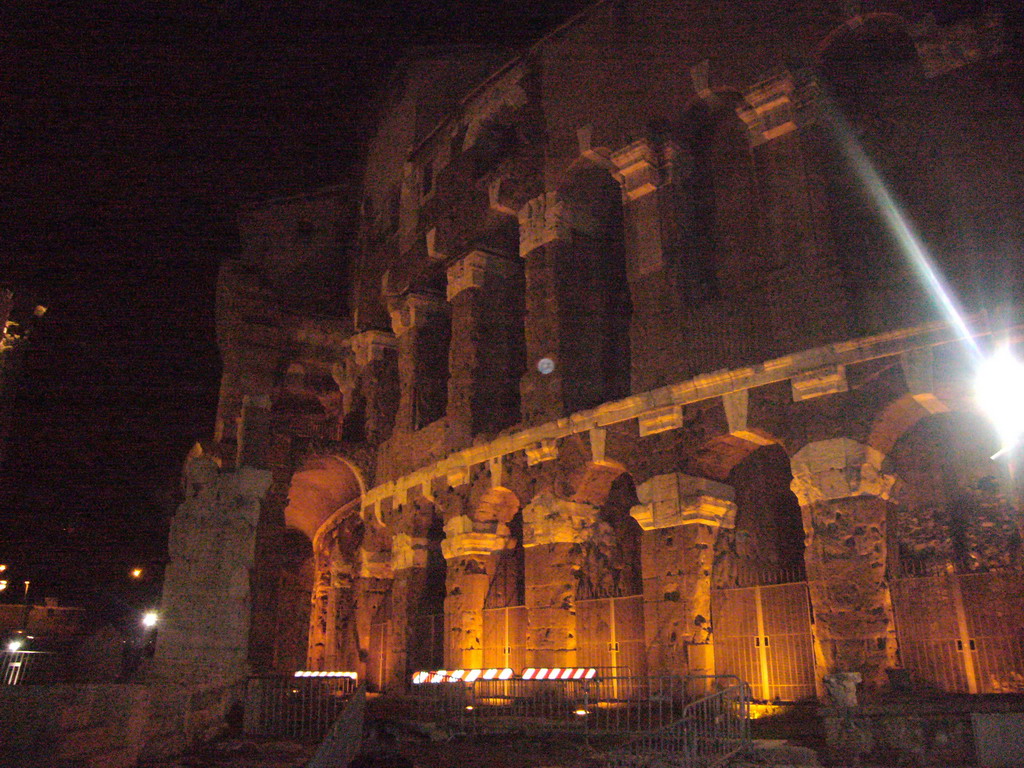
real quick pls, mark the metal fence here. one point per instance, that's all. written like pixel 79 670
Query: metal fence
pixel 301 708
pixel 28 667
pixel 708 733
pixel 608 704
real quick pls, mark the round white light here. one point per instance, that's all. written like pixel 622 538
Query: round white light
pixel 15 645
pixel 999 391
pixel 545 365
pixel 149 619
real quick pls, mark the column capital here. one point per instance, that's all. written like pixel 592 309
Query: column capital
pixel 775 107
pixel 547 520
pixel 473 269
pixel 541 220
pixel 375 565
pixel 837 469
pixel 408 552
pixel 412 310
pixel 369 346
pixel 667 501
pixel 639 167
pixel 464 538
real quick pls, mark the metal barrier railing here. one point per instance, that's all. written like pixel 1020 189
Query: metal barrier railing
pixel 28 667
pixel 708 733
pixel 301 708
pixel 606 704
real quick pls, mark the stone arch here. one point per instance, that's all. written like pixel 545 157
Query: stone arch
pixel 955 509
pixel 900 415
pixel 321 487
pixel 590 274
pixel 765 544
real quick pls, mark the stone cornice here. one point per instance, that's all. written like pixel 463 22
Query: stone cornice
pixel 701 388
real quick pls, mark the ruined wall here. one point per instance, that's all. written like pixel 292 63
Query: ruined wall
pixel 618 291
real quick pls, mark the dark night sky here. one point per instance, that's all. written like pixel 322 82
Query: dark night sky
pixel 130 133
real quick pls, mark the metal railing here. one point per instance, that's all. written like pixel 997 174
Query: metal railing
pixel 301 708
pixel 708 733
pixel 28 667
pixel 608 704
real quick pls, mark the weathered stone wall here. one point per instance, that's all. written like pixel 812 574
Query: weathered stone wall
pixel 640 256
pixel 84 724
pixel 205 607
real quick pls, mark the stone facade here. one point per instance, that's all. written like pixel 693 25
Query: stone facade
pixel 621 326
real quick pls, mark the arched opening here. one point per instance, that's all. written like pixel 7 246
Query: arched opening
pixel 883 109
pixel 505 617
pixel 720 293
pixel 955 558
pixel 761 617
pixel 594 301
pixel 325 487
pixel 609 589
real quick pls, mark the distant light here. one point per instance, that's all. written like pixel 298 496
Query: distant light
pixel 149 619
pixel 3 584
pixel 581 712
pixel 546 365
pixel 135 573
pixel 997 388
pixel 469 707
pixel 15 645
pixel 3 567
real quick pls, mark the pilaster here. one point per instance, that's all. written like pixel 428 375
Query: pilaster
pixel 680 516
pixel 420 324
pixel 843 494
pixel 469 549
pixel 486 352
pixel 553 530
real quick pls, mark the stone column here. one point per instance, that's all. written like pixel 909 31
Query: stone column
pixel 544 232
pixel 486 355
pixel 409 566
pixel 420 324
pixel 680 516
pixel 553 530
pixel 469 549
pixel 331 631
pixel 372 587
pixel 844 495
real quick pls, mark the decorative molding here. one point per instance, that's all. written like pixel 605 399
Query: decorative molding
pixel 676 499
pixel 413 310
pixel 838 469
pixel 473 269
pixel 370 346
pixel 828 380
pixel 542 220
pixel 660 420
pixel 458 476
pixel 638 164
pixel 769 111
pixel 462 538
pixel 545 450
pixel 408 552
pixel 375 565
pixel 547 520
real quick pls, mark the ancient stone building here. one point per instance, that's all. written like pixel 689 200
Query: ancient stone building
pixel 620 358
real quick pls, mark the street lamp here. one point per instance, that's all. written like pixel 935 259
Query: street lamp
pixel 999 391
pixel 149 619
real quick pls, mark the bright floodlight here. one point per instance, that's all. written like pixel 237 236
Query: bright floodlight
pixel 14 645
pixel 999 388
pixel 149 619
